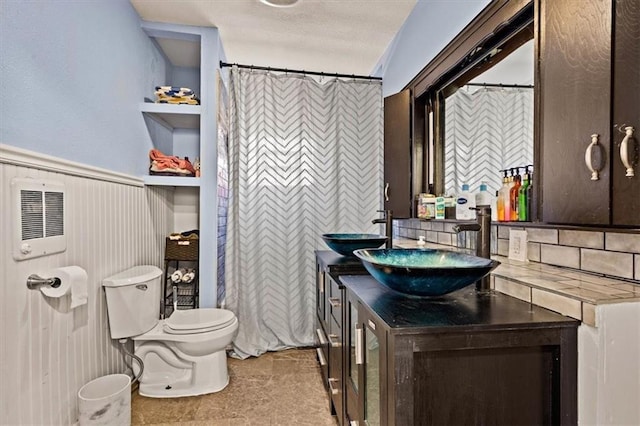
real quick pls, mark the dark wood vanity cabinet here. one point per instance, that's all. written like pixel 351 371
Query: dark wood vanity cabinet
pixel 589 79
pixel 397 154
pixel 464 358
pixel 331 323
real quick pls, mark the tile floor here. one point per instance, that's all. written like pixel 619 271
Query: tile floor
pixel 277 388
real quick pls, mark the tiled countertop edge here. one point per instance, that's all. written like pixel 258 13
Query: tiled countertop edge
pixel 566 291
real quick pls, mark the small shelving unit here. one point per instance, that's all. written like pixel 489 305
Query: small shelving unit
pixel 171 181
pixel 191 55
pixel 180 254
pixel 173 116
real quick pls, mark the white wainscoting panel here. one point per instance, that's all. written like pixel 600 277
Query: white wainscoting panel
pixel 47 351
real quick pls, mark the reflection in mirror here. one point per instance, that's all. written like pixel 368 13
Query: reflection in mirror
pixel 488 124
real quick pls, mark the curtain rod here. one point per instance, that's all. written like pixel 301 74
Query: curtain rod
pixel 506 86
pixel 324 74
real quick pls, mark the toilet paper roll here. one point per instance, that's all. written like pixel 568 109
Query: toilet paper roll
pixel 73 280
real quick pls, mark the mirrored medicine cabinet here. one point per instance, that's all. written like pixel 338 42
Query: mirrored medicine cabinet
pixel 473 106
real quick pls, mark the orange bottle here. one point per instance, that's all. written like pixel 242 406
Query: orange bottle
pixel 513 195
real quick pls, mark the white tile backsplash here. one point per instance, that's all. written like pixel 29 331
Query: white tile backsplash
pixel 533 251
pixel 555 302
pixel 437 226
pixel 513 289
pixel 587 239
pixel 560 255
pixel 549 246
pixel 542 235
pixel 607 262
pixel 623 242
pixel 444 238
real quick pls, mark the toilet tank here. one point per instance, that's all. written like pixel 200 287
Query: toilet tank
pixel 133 300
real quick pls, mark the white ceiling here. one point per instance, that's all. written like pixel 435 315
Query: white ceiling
pixel 334 36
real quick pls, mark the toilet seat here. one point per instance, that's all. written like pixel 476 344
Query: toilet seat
pixel 194 321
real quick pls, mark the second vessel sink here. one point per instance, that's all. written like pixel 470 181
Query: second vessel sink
pixel 424 272
pixel 345 244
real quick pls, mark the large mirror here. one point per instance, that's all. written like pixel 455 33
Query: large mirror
pixel 475 104
pixel 488 120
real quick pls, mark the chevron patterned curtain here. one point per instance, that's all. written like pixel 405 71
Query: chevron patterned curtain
pixel 486 130
pixel 305 159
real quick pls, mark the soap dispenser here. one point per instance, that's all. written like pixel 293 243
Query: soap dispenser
pixel 513 193
pixel 500 203
pixel 523 197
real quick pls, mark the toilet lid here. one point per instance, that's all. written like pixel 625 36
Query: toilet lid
pixel 198 320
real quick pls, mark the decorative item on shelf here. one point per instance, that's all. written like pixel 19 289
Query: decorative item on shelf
pixel 169 165
pixel 196 166
pixel 176 95
pixel 183 276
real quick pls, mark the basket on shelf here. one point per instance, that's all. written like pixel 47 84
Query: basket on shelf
pixel 182 249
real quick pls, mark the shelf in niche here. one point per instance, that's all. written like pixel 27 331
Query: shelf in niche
pixel 173 116
pixel 171 181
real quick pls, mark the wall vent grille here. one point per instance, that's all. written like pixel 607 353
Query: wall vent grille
pixel 54 208
pixel 32 213
pixel 38 226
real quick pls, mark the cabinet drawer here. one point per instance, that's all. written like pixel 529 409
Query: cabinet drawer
pixel 335 382
pixel 322 352
pixel 321 296
pixel 335 301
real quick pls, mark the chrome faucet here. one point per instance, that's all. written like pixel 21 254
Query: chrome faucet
pixel 387 219
pixel 483 242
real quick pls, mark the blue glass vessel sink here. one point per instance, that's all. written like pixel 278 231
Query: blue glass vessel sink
pixel 345 244
pixel 424 272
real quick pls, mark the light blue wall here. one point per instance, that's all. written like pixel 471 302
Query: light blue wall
pixel 72 76
pixel 431 25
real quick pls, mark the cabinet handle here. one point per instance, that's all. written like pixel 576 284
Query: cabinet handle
pixel 359 359
pixel 333 341
pixel 321 338
pixel 321 282
pixel 386 191
pixel 595 173
pixel 624 152
pixel 323 361
pixel 334 391
pixel 335 302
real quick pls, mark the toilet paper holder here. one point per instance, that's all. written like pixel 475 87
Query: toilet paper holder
pixel 35 281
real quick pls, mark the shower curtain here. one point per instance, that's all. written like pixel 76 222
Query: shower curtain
pixel 486 130
pixel 305 158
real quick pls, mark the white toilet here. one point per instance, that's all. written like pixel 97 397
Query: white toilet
pixel 183 355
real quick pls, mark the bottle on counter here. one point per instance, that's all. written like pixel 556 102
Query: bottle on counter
pixel 483 197
pixel 513 194
pixel 500 197
pixel 523 197
pixel 465 201
pixel 506 197
pixel 531 196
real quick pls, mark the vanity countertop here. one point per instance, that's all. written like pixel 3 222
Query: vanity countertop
pixel 568 291
pixel 465 309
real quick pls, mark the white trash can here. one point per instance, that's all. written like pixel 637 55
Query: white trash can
pixel 106 401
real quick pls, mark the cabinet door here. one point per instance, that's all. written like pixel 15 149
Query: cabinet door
pixel 373 384
pixel 626 111
pixel 353 359
pixel 397 154
pixel 321 295
pixel 575 96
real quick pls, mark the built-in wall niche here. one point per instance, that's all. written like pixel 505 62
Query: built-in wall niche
pixel 186 207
